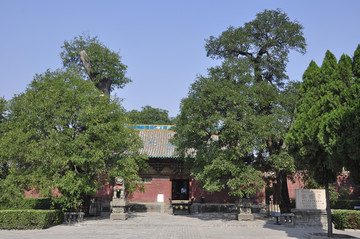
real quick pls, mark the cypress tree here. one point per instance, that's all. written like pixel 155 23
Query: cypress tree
pixel 324 136
pixel 356 62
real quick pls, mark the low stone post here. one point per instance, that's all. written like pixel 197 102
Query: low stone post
pixel 118 204
pixel 244 210
pixel 73 217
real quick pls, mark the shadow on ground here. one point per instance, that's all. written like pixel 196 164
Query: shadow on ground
pixel 311 232
pixel 211 216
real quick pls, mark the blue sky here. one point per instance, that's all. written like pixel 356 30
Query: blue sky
pixel 161 42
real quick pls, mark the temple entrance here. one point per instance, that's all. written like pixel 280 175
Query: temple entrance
pixel 180 189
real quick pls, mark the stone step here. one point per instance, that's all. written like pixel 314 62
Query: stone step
pixel 150 207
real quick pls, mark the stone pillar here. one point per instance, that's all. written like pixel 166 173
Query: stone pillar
pixel 118 209
pixel 118 204
pixel 244 210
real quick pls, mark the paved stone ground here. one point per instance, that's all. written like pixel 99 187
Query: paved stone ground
pixel 158 226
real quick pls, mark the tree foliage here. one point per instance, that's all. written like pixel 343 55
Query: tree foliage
pixel 149 115
pixel 346 139
pixel 264 42
pixel 318 110
pixel 236 118
pixel 323 137
pixel 4 168
pixel 95 61
pixel 215 123
pixel 62 134
pixel 2 109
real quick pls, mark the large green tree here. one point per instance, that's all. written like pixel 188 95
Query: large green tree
pixel 325 121
pixel 149 115
pixel 245 96
pixel 97 62
pixel 343 125
pixel 3 164
pixel 10 191
pixel 63 134
pixel 216 121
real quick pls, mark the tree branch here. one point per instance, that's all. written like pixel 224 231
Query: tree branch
pixel 86 63
pixel 244 53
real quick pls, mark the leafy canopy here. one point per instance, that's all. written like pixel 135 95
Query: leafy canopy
pixel 3 164
pixel 149 115
pixel 2 109
pixel 61 134
pixel 264 43
pixel 95 61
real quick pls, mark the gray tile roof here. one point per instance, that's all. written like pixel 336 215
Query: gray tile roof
pixel 157 143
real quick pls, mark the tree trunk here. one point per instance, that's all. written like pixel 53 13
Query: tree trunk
pixel 103 84
pixel 86 63
pixel 283 192
pixel 328 211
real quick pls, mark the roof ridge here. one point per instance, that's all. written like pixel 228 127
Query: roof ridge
pixel 150 127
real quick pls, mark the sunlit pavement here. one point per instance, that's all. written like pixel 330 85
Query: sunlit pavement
pixel 157 225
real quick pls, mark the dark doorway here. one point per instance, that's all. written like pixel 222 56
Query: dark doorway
pixel 180 189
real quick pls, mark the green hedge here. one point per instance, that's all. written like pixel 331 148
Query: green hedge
pixel 30 219
pixel 28 203
pixel 346 219
pixel 345 204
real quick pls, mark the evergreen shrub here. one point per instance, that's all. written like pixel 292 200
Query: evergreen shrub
pixel 346 219
pixel 30 219
pixel 345 204
pixel 27 203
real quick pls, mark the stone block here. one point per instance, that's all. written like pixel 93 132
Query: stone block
pixel 118 203
pixel 73 217
pixel 118 216
pixel 310 218
pixel 245 217
pixel 228 208
pixel 210 208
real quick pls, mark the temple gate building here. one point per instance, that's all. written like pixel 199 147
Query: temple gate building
pixel 166 177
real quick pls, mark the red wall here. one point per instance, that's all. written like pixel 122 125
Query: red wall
pixel 105 193
pixel 297 184
pixel 217 197
pixel 344 182
pixel 33 193
pixel 157 186
pixel 162 185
